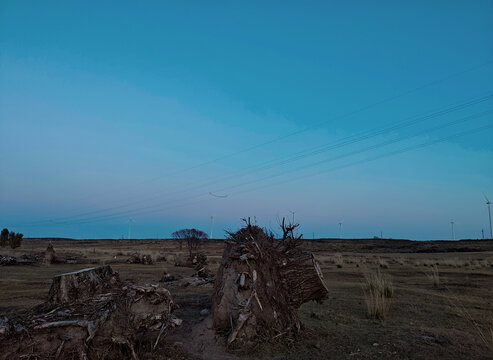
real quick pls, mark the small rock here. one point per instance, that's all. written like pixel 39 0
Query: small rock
pixel 375 344
pixel 204 312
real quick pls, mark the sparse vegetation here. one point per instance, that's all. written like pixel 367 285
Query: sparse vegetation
pixel 485 335
pixel 434 276
pixel 411 311
pixel 383 264
pixel 338 260
pixel 378 290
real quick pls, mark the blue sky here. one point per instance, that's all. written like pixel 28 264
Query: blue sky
pixel 129 110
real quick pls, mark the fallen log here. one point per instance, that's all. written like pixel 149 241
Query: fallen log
pixel 261 283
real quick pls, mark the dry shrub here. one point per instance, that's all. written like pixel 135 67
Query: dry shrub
pixel 383 264
pixel 378 290
pixel 434 276
pixel 455 262
pixel 478 264
pixel 426 262
pixel 399 261
pixel 337 260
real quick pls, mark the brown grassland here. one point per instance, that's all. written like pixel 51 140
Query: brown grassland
pixel 389 299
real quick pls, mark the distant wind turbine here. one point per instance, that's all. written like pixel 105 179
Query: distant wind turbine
pixel 453 233
pixel 130 221
pixel 488 202
pixel 292 213
pixel 212 226
pixel 340 230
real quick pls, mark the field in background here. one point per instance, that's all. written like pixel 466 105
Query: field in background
pixel 450 319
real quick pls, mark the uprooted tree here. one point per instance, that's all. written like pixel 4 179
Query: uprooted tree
pixel 261 283
pixel 90 314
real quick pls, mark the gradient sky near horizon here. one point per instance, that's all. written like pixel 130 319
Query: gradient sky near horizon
pixel 168 113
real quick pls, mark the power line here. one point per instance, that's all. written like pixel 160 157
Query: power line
pixel 373 147
pixel 378 157
pixel 349 140
pixel 370 159
pixel 343 116
pixel 159 207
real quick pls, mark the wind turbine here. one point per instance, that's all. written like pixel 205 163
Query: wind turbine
pixel 212 226
pixel 488 202
pixel 292 213
pixel 130 221
pixel 453 233
pixel 340 230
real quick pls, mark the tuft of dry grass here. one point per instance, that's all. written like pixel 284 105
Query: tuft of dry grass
pixel 338 261
pixel 383 263
pixel 434 276
pixel 485 334
pixel 399 261
pixel 378 290
pixel 490 340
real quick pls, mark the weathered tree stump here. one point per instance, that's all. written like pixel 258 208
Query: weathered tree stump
pixel 261 283
pixel 82 284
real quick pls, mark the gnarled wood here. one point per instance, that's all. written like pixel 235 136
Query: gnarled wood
pixel 96 326
pixel 261 283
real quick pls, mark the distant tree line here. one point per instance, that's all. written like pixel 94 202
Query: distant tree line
pixel 11 239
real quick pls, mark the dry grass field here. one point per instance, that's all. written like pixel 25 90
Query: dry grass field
pixel 388 299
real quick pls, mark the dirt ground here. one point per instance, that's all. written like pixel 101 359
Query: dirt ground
pixel 453 320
